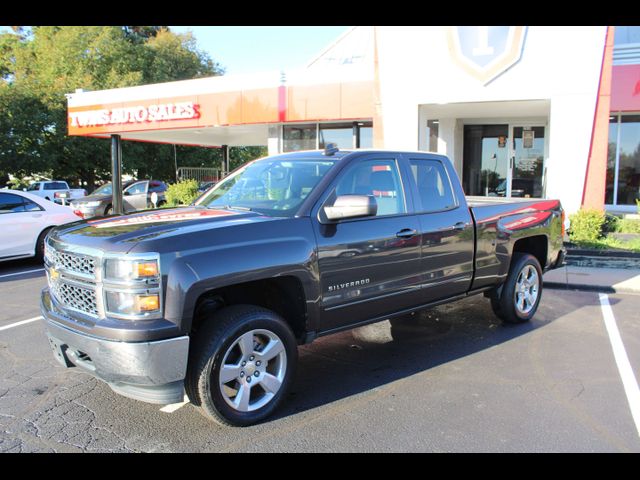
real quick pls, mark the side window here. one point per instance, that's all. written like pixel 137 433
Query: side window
pixel 380 178
pixel 434 187
pixel 136 188
pixel 10 203
pixel 30 206
pixel 33 187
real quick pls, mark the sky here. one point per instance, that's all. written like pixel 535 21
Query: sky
pixel 256 49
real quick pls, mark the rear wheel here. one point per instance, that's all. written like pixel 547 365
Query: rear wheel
pixel 521 291
pixel 108 210
pixel 241 365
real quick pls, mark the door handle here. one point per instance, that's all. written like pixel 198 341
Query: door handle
pixel 460 226
pixel 406 233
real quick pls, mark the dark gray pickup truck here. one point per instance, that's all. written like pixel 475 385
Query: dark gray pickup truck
pixel 214 298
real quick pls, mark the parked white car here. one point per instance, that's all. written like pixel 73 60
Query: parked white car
pixel 25 220
pixel 55 190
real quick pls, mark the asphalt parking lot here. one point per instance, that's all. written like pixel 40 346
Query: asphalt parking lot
pixel 449 379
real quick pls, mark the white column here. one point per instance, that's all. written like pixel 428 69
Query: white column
pixel 274 142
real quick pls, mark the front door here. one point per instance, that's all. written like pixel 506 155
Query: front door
pixel 486 160
pixel 135 197
pixel 527 161
pixel 369 266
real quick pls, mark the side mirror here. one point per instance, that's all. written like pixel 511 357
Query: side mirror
pixel 352 206
pixel 126 192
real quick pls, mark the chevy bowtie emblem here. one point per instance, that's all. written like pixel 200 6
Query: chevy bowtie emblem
pixel 54 274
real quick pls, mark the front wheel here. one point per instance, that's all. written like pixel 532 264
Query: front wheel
pixel 241 365
pixel 522 290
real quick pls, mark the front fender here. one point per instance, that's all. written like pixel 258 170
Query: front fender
pixel 284 253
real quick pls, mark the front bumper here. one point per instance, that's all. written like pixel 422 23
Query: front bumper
pixel 148 371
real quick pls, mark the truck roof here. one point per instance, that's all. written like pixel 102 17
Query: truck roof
pixel 339 154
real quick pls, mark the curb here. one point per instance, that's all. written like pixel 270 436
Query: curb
pixel 589 288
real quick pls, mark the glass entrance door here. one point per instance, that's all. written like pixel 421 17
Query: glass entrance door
pixel 485 160
pixel 527 161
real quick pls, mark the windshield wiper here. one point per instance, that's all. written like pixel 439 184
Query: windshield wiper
pixel 233 207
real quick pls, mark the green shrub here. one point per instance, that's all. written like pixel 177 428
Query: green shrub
pixel 182 193
pixel 611 223
pixel 586 226
pixel 628 225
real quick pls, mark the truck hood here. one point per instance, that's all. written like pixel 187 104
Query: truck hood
pixel 121 233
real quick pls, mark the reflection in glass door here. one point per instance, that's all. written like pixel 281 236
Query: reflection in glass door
pixel 485 160
pixel 527 161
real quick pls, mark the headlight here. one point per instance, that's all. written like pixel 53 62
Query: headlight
pixel 91 204
pixel 132 287
pixel 129 303
pixel 131 270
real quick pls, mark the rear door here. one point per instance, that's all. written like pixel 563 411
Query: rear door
pixel 368 266
pixel 446 227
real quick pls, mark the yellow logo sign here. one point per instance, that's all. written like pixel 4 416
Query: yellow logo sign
pixel 53 274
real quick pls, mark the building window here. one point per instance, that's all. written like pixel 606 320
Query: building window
pixel 432 134
pixel 366 134
pixel 623 161
pixel 318 135
pixel 299 137
pixel 626 34
pixel 338 133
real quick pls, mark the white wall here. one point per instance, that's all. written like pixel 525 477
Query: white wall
pixel 560 65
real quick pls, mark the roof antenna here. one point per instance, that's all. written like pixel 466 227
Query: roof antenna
pixel 330 149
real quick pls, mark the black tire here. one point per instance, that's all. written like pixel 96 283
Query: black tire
pixel 517 302
pixel 108 210
pixel 216 341
pixel 39 253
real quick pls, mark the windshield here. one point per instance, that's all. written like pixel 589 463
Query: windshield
pixel 103 190
pixel 271 187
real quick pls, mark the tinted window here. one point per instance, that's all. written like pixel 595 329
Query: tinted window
pixel 379 178
pixel 157 187
pixel 33 186
pixel 55 186
pixel 434 188
pixel 10 203
pixel 30 206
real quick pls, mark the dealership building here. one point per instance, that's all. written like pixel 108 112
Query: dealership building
pixel 543 112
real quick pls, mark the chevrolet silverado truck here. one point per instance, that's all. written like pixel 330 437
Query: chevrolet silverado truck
pixel 214 298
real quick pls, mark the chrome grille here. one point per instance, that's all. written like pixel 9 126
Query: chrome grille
pixel 76 297
pixel 71 262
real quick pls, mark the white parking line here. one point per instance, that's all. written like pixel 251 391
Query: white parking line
pixel 622 361
pixel 175 406
pixel 22 273
pixel 23 322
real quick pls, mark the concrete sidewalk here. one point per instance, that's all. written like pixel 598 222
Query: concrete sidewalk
pixel 606 280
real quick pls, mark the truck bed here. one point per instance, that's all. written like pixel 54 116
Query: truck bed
pixel 499 222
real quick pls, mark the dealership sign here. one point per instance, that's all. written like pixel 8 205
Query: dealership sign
pixel 486 52
pixel 135 115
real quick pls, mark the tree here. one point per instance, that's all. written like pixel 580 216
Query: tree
pixel 39 69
